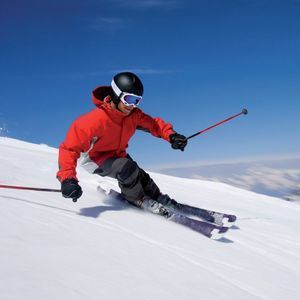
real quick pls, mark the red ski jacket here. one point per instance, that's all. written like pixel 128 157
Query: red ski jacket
pixel 102 133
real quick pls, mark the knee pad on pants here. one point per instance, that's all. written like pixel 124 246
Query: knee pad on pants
pixel 129 173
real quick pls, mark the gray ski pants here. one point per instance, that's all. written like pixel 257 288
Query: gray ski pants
pixel 133 181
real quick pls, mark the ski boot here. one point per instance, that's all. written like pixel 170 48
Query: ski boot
pixel 168 202
pixel 155 207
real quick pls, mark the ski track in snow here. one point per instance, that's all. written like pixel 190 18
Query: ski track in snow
pixel 257 259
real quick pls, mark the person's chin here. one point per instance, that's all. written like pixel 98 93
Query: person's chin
pixel 127 111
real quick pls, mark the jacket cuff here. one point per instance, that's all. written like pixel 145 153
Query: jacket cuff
pixel 63 176
pixel 169 134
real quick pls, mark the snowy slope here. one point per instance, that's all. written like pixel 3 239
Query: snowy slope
pixel 51 248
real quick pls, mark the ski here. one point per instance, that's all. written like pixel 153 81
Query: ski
pixel 208 215
pixel 218 218
pixel 207 229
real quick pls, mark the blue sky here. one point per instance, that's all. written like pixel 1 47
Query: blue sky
pixel 200 61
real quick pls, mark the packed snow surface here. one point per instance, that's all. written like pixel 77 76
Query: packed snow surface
pixel 97 248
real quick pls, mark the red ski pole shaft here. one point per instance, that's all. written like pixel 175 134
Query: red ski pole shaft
pixel 16 187
pixel 243 112
pixel 28 188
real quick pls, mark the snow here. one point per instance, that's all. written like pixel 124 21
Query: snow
pixel 52 248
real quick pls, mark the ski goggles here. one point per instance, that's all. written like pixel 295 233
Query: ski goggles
pixel 130 99
pixel 127 99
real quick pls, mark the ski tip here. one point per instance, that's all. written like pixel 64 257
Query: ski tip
pixel 218 232
pixel 228 220
pixel 232 218
pixel 223 230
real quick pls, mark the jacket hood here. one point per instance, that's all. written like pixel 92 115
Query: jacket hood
pixel 99 94
pixel 100 99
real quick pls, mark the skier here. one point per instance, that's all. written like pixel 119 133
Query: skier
pixel 102 136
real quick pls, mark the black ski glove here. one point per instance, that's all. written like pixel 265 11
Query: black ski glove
pixel 71 189
pixel 178 141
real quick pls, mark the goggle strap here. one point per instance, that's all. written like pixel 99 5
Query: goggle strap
pixel 115 88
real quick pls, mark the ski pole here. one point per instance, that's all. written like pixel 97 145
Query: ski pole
pixel 27 188
pixel 243 112
pixel 16 187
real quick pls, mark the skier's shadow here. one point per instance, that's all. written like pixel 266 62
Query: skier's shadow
pixel 96 211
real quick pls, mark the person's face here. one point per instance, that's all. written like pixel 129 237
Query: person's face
pixel 125 109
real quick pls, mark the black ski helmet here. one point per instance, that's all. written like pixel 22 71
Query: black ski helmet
pixel 126 82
